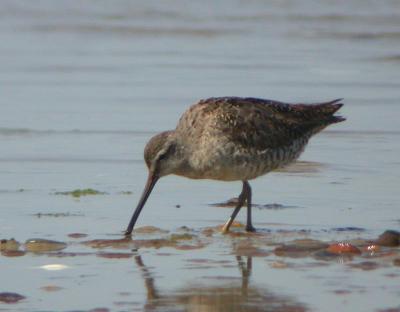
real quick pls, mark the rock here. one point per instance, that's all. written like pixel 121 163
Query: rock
pixel 148 229
pixel 343 248
pixel 180 237
pixel 9 244
pixel 77 235
pixel 43 245
pixel 247 249
pixel 300 248
pixel 279 265
pixel 389 238
pixel 13 253
pixel 114 255
pixel 365 265
pixel 122 243
pixel 325 255
pixel 9 297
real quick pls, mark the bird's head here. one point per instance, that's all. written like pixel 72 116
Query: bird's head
pixel 161 154
pixel 162 158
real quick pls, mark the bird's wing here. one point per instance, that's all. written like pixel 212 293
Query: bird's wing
pixel 260 124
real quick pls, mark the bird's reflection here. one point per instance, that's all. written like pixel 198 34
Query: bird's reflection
pixel 226 295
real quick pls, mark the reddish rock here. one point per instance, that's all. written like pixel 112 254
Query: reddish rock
pixel 13 253
pixel 343 248
pixel 372 248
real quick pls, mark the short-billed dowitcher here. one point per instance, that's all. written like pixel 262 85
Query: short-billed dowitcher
pixel 233 139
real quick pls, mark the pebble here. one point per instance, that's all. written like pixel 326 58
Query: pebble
pixel 325 255
pixel 114 255
pixel 9 297
pixel 279 265
pixel 77 235
pixel 43 245
pixel 343 248
pixel 300 248
pixel 389 238
pixel 13 253
pixel 9 244
pixel 365 265
pixel 148 229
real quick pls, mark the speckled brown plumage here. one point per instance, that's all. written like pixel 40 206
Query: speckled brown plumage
pixel 233 138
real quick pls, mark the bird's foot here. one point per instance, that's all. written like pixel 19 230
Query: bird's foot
pixel 250 228
pixel 127 233
pixel 225 229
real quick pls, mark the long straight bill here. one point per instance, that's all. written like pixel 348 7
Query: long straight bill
pixel 151 181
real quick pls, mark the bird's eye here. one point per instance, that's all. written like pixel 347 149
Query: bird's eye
pixel 162 156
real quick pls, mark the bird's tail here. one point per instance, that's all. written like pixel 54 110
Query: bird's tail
pixel 322 112
pixel 328 109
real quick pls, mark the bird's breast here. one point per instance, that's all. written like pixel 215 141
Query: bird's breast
pixel 229 162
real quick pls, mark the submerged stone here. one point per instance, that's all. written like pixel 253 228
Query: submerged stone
pixel 325 255
pixel 57 214
pixel 247 249
pixel 114 255
pixel 9 244
pixel 148 229
pixel 51 288
pixel 343 248
pixel 389 238
pixel 44 245
pixel 13 253
pixel 300 248
pixel 179 237
pixel 77 235
pixel 81 192
pixel 153 243
pixel 230 203
pixel 279 265
pixel 365 265
pixel 122 243
pixel 9 297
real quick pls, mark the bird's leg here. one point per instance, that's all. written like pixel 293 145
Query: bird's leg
pixel 242 198
pixel 249 225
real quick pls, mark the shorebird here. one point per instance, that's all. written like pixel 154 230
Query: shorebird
pixel 234 139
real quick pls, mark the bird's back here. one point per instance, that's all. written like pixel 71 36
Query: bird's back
pixel 232 131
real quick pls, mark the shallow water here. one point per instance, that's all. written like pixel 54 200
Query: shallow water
pixel 84 85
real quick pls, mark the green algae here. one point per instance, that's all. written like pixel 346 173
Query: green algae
pixel 57 214
pixel 81 192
